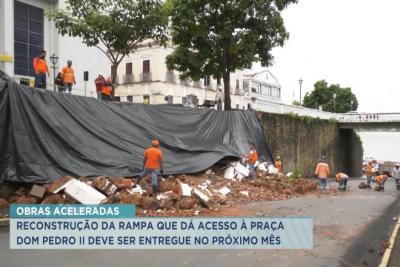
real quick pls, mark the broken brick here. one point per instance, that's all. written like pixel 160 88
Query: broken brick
pixel 150 203
pixel 27 200
pixel 3 207
pixel 187 203
pixel 53 199
pixel 122 183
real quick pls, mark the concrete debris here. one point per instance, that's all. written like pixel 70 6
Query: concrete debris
pixel 186 189
pixel 224 190
pixel 58 184
pixel 272 170
pixel 37 191
pixel 178 195
pixel 245 193
pixel 229 173
pixel 83 193
pixel 363 185
pixel 242 170
pixel 262 167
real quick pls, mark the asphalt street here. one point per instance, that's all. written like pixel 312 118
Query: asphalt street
pixel 348 230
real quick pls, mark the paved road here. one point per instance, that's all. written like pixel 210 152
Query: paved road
pixel 348 229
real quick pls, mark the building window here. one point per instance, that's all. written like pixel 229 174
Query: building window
pixel 146 66
pixel 245 86
pixel 146 99
pixel 28 37
pixel 129 98
pixel 128 68
pixel 207 80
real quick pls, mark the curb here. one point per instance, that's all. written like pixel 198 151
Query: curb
pixel 392 240
pixel 4 222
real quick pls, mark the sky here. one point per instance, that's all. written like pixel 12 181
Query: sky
pixel 354 43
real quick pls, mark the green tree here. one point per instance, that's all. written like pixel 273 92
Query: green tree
pixel 116 27
pixel 218 37
pixel 323 94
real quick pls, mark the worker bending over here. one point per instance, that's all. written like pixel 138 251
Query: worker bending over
pixel 153 164
pixel 380 182
pixel 342 178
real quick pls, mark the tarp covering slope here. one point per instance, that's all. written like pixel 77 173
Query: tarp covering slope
pixel 44 135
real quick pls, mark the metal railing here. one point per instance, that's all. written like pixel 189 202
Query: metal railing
pixel 145 77
pixel 128 78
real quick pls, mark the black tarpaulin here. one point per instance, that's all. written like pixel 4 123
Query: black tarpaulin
pixel 44 135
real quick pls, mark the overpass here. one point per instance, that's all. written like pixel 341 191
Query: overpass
pixel 357 121
pixel 369 121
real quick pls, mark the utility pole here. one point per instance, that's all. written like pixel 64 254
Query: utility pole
pixel 300 83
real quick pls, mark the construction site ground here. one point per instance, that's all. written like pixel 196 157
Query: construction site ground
pixel 350 229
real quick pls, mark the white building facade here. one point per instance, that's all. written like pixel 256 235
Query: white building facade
pixel 24 29
pixel 143 77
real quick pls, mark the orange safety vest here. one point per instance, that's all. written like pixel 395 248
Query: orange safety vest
pixel 68 75
pixel 278 165
pixel 252 158
pixel 106 90
pixel 40 65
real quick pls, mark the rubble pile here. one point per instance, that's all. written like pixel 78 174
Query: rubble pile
pixel 183 194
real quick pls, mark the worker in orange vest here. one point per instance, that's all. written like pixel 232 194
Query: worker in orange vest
pixel 68 76
pixel 106 90
pixel 322 172
pixel 278 163
pixel 342 178
pixel 252 158
pixel 40 68
pixel 153 164
pixel 380 182
pixel 369 172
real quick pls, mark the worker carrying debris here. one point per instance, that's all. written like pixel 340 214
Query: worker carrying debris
pixel 342 178
pixel 322 172
pixel 153 164
pixel 252 158
pixel 278 163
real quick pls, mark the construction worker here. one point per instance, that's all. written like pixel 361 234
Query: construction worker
pixel 99 82
pixel 396 175
pixel 380 182
pixel 40 68
pixel 59 82
pixel 322 172
pixel 68 76
pixel 153 164
pixel 369 172
pixel 278 163
pixel 342 178
pixel 252 158
pixel 219 95
pixel 106 90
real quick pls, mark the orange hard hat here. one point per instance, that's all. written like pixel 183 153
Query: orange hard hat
pixel 155 143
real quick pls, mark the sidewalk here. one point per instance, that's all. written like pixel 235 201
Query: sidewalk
pixel 394 260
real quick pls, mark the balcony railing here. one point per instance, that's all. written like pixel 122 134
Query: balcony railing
pixel 170 77
pixel 128 78
pixel 145 76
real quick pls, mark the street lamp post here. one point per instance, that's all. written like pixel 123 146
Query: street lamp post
pixel 334 103
pixel 54 60
pixel 300 82
pixel 351 105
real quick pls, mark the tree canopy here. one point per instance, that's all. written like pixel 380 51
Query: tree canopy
pixel 116 27
pixel 323 94
pixel 218 37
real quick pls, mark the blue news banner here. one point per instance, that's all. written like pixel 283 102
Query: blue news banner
pixel 116 227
